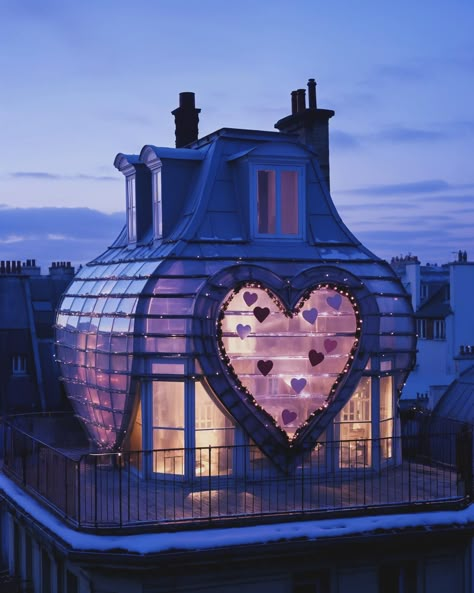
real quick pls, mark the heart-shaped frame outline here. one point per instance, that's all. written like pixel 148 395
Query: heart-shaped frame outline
pixel 257 423
pixel 288 312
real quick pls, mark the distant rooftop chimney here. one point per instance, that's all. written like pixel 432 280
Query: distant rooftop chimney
pixel 186 118
pixel 310 124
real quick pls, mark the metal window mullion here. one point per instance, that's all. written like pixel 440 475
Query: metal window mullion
pixel 278 201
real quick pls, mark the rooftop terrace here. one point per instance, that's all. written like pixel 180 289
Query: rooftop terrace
pixel 107 492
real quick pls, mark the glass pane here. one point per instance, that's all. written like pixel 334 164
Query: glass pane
pixel 171 460
pixel 288 363
pixel 289 202
pixel 168 405
pixel 215 430
pixel 386 444
pixel 386 398
pixel 355 427
pixel 266 202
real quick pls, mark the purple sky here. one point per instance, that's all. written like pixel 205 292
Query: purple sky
pixel 82 81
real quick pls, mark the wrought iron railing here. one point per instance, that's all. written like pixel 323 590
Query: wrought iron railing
pixel 144 489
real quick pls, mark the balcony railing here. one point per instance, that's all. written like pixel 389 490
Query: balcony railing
pixel 153 489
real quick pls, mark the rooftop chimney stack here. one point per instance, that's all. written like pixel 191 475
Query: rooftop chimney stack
pixel 186 118
pixel 310 124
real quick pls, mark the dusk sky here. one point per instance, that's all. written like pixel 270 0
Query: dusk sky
pixel 82 81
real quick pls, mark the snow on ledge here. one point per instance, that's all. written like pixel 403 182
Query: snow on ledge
pixel 211 538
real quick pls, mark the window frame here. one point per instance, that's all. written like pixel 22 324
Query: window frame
pixel 19 365
pixel 157 203
pixel 131 191
pixel 277 165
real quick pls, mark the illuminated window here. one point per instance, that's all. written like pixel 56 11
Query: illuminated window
pixel 131 210
pixel 215 431
pixel 355 427
pixel 289 363
pixel 168 426
pixel 386 416
pixel 157 208
pixel 277 201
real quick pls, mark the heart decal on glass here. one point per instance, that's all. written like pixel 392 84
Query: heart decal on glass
pixel 310 315
pixel 288 416
pixel 243 330
pixel 261 313
pixel 250 298
pixel 288 361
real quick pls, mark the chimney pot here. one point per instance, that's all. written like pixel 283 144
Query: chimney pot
pixel 186 118
pixel 186 100
pixel 312 94
pixel 294 102
pixel 301 100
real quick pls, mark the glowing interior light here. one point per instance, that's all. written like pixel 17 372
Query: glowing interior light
pixel 288 361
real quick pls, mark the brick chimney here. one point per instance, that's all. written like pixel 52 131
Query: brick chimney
pixel 186 118
pixel 310 124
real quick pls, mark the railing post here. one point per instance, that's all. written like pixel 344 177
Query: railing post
pixel 95 490
pixel 65 488
pixel 78 490
pixel 464 459
pixel 120 488
pixel 210 475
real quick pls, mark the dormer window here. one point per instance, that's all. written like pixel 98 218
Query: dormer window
pixel 157 208
pixel 277 201
pixel 131 210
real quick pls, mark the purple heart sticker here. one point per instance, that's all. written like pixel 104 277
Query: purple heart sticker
pixel 315 357
pixel 261 313
pixel 288 416
pixel 250 298
pixel 310 315
pixel 334 301
pixel 264 366
pixel 298 385
pixel 330 345
pixel 243 331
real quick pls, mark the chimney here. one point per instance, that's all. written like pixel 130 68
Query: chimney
pixel 186 118
pixel 310 124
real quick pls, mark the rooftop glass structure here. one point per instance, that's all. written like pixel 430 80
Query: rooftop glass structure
pixel 235 308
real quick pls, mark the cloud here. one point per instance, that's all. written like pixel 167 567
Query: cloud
pixel 391 205
pixel 400 72
pixel 46 234
pixel 34 175
pixel 343 140
pixel 53 224
pixel 403 134
pixel 55 177
pixel 411 187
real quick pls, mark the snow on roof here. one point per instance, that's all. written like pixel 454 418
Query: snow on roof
pixel 211 538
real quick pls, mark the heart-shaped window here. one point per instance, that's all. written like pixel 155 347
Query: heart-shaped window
pixel 288 362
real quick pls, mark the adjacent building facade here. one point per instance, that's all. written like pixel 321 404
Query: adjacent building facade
pixel 445 324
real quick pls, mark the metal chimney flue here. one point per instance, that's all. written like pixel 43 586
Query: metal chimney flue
pixel 186 118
